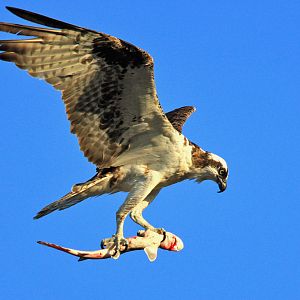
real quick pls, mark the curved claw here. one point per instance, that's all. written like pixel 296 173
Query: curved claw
pixel 116 255
pixel 160 231
pixel 120 244
pixel 115 244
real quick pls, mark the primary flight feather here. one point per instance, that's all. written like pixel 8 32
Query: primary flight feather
pixel 109 92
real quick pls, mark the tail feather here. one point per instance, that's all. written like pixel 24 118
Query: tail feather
pixel 94 187
pixel 63 203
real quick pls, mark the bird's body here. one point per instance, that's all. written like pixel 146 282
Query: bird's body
pixel 109 92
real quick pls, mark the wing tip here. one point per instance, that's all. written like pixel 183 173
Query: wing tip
pixel 192 108
pixel 43 20
pixel 37 216
pixel 15 10
pixel 10 8
pixel 41 214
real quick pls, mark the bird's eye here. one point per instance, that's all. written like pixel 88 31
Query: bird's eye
pixel 222 172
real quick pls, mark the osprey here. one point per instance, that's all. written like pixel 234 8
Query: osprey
pixel 109 92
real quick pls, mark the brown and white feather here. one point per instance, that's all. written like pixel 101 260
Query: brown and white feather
pixel 107 84
pixel 179 116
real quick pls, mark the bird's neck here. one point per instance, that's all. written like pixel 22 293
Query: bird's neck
pixel 199 157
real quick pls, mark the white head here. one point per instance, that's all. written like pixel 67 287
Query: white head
pixel 209 166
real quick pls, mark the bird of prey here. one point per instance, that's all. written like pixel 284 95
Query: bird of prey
pixel 109 92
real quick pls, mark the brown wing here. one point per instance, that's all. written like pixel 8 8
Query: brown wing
pixel 178 116
pixel 107 84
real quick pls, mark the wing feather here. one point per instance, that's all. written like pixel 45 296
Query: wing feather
pixel 107 85
pixel 178 116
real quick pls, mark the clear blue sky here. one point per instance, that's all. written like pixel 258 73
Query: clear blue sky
pixel 238 63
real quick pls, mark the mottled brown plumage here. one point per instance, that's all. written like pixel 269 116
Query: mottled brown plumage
pixel 178 116
pixel 91 70
pixel 109 93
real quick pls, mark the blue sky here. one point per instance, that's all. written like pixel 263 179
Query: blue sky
pixel 238 63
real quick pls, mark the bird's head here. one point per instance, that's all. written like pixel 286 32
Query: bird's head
pixel 209 166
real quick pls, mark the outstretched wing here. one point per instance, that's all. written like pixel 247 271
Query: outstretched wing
pixel 107 84
pixel 178 116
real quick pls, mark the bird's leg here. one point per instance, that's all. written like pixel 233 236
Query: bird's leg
pixel 135 196
pixel 137 216
pixel 117 240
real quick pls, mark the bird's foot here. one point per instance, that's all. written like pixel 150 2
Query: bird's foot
pixel 160 231
pixel 115 244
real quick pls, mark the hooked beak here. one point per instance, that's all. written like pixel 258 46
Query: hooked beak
pixel 222 185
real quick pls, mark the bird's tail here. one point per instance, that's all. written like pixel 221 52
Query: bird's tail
pixel 96 186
